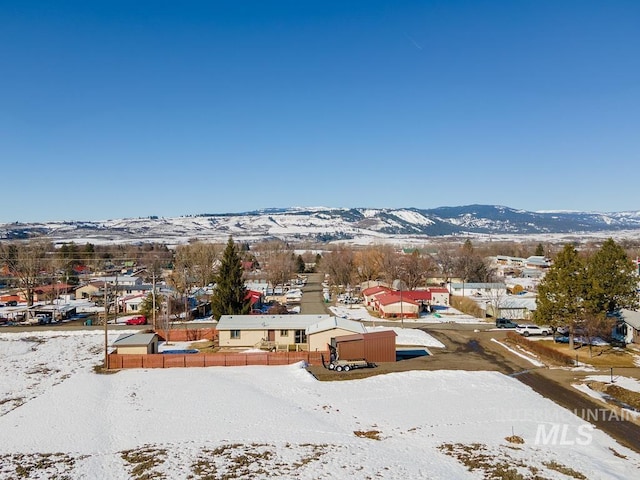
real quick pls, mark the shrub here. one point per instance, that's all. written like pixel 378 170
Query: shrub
pixel 545 351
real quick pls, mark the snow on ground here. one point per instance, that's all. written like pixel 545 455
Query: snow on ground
pixel 275 422
pixel 410 337
pixel 520 354
pixel 629 383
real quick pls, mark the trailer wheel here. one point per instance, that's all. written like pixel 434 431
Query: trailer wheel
pixel 347 368
pixel 331 366
pixel 339 368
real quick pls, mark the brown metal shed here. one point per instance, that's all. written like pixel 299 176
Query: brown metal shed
pixel 373 347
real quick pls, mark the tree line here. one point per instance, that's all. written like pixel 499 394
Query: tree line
pixel 584 290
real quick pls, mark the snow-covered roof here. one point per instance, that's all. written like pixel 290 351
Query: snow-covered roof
pixel 632 318
pixel 268 322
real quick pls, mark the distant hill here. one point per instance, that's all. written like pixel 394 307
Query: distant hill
pixel 330 224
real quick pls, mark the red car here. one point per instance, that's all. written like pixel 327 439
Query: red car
pixel 139 320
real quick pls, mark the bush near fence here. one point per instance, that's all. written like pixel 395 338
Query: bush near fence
pixel 547 352
pixel 171 360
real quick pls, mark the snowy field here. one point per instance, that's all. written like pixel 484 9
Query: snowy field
pixel 59 419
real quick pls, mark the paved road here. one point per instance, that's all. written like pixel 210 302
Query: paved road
pixel 312 299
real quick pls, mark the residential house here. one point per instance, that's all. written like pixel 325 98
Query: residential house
pixel 272 332
pixel 131 303
pixel 89 290
pixel 439 296
pixel 537 261
pixel 628 326
pixel 121 280
pixel 471 289
pixel 513 307
pixel 369 294
pixel 396 305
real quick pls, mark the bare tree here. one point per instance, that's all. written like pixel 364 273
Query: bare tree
pixel 368 262
pixel 276 260
pixel 26 261
pixel 339 264
pixel 415 269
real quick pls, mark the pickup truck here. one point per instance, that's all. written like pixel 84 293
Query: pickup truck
pixel 527 330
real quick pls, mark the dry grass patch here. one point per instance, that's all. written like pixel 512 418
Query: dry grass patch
pixel 570 472
pixel 622 395
pixel 235 461
pixel 371 434
pixel 515 439
pixel 205 347
pixel 37 465
pixel 143 461
pixel 600 356
pixel 501 465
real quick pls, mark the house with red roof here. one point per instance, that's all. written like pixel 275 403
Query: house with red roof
pixel 395 305
pixel 369 294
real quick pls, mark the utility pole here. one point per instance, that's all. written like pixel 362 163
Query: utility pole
pixel 115 302
pixel 153 296
pixel 106 341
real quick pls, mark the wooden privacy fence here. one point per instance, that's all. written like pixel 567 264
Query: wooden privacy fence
pixel 170 360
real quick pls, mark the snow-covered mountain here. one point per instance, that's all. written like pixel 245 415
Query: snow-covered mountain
pixel 330 224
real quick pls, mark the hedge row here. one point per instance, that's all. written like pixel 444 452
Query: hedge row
pixel 537 347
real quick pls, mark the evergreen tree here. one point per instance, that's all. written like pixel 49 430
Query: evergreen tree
pixel 612 280
pixel 229 296
pixel 300 265
pixel 539 250
pixel 562 292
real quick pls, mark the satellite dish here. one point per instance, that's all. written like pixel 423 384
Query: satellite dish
pixel 398 285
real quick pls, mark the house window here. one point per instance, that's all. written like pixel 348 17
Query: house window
pixel 235 334
pixel 300 336
pixel 284 333
pixel 134 307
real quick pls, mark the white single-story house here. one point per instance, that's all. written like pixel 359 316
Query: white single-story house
pixel 283 332
pixel 271 332
pixel 471 289
pixel 136 344
pixel 628 326
pixel 132 303
pixel 513 307
pixel 120 280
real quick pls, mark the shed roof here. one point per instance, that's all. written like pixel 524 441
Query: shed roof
pixel 134 340
pixel 269 322
pixel 362 336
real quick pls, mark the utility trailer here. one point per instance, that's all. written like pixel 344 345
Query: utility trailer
pixel 346 365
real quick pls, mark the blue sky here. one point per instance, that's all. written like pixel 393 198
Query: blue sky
pixel 112 109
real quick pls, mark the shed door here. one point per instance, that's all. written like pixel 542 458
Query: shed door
pixel 271 335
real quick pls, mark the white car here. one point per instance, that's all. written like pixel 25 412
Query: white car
pixel 527 330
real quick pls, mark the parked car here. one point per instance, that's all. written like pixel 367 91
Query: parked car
pixel 527 330
pixel 505 323
pixel 139 320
